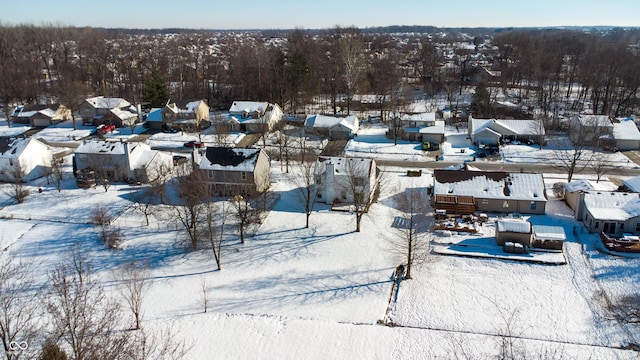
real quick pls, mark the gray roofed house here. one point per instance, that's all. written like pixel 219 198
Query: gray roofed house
pixel 609 212
pixel 231 171
pixel 494 131
pixel 332 127
pixel 461 191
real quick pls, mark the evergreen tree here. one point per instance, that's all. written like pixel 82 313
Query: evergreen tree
pixel 481 102
pixel 156 93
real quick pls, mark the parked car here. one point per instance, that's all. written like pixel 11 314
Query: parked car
pixel 105 128
pixel 429 146
pixel 194 144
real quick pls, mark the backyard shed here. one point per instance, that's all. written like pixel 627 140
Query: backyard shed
pixel 548 237
pixel 513 230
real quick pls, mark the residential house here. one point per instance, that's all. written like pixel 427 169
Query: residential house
pixel 591 129
pixel 419 127
pixel 496 131
pixel 39 115
pixel 630 185
pixel 93 110
pixel 332 127
pixel 336 177
pixel 254 117
pixel 232 171
pixel 462 191
pixel 182 114
pixel 626 134
pixel 119 161
pixel 609 212
pixel 572 190
pixel 515 231
pixel 120 118
pixel 25 158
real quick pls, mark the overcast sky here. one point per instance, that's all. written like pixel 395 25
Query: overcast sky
pixel 288 14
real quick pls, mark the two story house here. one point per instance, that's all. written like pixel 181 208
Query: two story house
pixel 418 127
pixel 254 117
pixel 232 171
pixel 95 110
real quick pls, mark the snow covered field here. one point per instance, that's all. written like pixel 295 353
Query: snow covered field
pixel 316 293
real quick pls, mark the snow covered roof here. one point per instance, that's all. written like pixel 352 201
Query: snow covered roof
pixel 424 116
pixel 248 106
pixel 632 184
pixel 514 226
pixel 586 185
pixel 616 206
pixel 594 120
pixel 16 148
pixel 490 184
pixel 525 127
pixel 101 102
pixel 626 130
pixel 101 147
pixel 344 166
pixel 229 159
pixel 185 106
pixel 123 114
pixel 437 128
pixel 549 232
pixel 325 121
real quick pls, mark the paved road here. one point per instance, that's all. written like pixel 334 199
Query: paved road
pixel 509 167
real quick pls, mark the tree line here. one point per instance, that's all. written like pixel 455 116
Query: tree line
pixel 49 62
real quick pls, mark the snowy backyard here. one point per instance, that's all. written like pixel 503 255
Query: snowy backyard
pixel 290 292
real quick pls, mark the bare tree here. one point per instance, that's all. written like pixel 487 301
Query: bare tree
pixel 57 171
pixel 304 178
pixel 193 195
pixel 411 228
pixel 18 310
pixel 100 216
pixel 72 94
pixel 351 50
pixel 18 190
pixel 81 314
pixel 245 211
pixel 204 286
pixel 358 186
pixel 216 218
pixel 577 156
pixel 600 165
pixel 134 283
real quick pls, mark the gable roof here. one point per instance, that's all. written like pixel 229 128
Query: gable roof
pixel 616 206
pixel 248 106
pixel 101 147
pixel 101 102
pixel 514 226
pixel 526 127
pixel 490 184
pixel 326 121
pixel 626 130
pixel 17 147
pixel 230 159
pixel 632 184
pixel 594 120
pixel 344 165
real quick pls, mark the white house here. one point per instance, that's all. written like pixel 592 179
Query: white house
pixel 626 134
pixel 591 128
pixel 253 116
pixel 122 160
pixel 609 212
pixel 333 127
pixel 420 127
pixel 572 190
pixel 494 131
pixel 336 176
pixel 27 158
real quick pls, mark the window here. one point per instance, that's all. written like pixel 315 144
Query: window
pixel 243 175
pixel 533 205
pixel 638 227
pixel 505 204
pixel 597 224
pixel 485 201
pixel 210 173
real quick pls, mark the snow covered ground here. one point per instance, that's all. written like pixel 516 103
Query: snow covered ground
pixel 290 292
